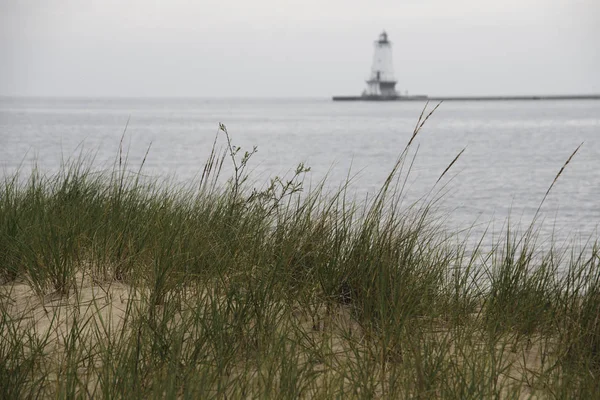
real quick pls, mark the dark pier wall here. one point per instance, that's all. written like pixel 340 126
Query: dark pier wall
pixel 466 98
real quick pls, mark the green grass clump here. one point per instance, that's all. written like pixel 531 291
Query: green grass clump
pixel 116 285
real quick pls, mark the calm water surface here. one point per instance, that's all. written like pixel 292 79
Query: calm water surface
pixel 513 149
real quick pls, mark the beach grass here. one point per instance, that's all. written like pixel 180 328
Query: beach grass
pixel 116 285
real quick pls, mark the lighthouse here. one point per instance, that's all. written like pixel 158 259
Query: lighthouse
pixel 381 82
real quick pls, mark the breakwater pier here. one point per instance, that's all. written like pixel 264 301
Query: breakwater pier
pixel 468 98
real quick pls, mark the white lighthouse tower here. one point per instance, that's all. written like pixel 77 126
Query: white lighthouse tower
pixel 381 82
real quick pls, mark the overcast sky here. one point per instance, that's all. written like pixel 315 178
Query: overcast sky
pixel 293 48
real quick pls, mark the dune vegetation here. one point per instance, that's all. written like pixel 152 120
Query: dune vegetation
pixel 114 285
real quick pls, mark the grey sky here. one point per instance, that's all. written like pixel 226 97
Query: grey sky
pixel 296 48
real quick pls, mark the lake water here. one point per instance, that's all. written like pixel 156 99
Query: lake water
pixel 514 149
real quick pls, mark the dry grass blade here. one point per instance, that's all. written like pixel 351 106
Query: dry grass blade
pixel 145 156
pixel 121 141
pixel 529 230
pixel 208 166
pixel 430 114
pixel 422 121
pixel 450 165
pixel 420 118
pixel 560 172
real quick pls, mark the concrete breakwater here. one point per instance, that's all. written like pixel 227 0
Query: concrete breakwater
pixel 468 98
